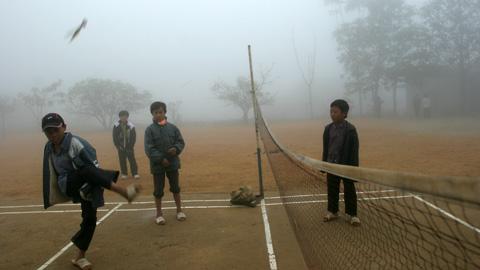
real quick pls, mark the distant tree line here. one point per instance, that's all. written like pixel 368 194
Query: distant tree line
pixel 391 42
pixel 100 99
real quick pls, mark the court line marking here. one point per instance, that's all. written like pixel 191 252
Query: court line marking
pixel 341 200
pixel 325 194
pixel 189 201
pixel 47 212
pixel 446 213
pixel 65 248
pixel 197 206
pixel 268 237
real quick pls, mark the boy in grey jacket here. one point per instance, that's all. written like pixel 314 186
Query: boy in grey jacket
pixel 71 172
pixel 163 145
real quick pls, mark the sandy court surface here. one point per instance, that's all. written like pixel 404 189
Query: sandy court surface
pixel 217 159
pixel 217 237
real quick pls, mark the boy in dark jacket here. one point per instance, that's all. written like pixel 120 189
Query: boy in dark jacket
pixel 124 137
pixel 340 146
pixel 163 144
pixel 70 172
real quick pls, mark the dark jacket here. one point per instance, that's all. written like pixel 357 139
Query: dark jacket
pixel 158 139
pixel 349 152
pixel 118 137
pixel 81 154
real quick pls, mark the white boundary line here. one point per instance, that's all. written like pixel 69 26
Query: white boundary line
pixel 196 206
pixel 461 221
pixel 192 201
pixel 268 237
pixel 341 200
pixel 65 248
pixel 325 194
pixel 47 212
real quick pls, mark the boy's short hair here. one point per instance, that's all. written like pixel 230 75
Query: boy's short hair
pixel 341 104
pixel 158 105
pixel 123 113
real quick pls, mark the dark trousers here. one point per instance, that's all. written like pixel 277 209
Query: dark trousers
pixel 84 236
pixel 129 154
pixel 350 195
pixel 159 183
pixel 93 176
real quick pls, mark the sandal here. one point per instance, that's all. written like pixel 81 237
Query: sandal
pixel 330 217
pixel 82 263
pixel 132 192
pixel 355 221
pixel 181 216
pixel 160 220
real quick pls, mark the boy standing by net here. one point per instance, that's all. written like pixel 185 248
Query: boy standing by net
pixel 340 146
pixel 163 145
pixel 71 172
pixel 124 138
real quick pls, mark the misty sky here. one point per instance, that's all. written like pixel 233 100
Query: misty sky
pixel 174 49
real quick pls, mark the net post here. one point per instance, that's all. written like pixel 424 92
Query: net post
pixel 257 135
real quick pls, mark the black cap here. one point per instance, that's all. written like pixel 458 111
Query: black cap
pixel 52 120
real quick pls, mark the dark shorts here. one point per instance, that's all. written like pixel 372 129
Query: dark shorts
pixel 159 183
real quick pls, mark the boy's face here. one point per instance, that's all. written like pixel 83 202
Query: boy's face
pixel 123 118
pixel 55 135
pixel 158 115
pixel 337 115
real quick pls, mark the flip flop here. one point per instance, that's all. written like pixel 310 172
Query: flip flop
pixel 82 263
pixel 160 220
pixel 181 216
pixel 330 217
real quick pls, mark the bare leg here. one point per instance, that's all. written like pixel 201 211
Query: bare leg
pixel 158 203
pixel 80 254
pixel 178 202
pixel 118 189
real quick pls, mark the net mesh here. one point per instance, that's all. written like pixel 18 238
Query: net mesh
pixel 399 229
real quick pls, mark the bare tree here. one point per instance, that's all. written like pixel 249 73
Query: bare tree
pixel 103 99
pixel 38 99
pixel 7 106
pixel 307 71
pixel 239 95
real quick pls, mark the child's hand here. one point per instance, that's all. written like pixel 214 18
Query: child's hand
pixel 172 151
pixel 165 162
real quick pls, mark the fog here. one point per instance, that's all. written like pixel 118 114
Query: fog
pixel 177 50
pixel 174 49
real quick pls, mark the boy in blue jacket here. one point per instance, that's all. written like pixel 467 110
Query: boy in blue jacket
pixel 163 145
pixel 70 172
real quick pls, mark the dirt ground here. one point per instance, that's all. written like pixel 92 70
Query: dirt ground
pixel 216 160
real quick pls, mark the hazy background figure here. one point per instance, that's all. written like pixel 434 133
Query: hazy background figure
pixel 416 105
pixel 124 138
pixel 426 106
